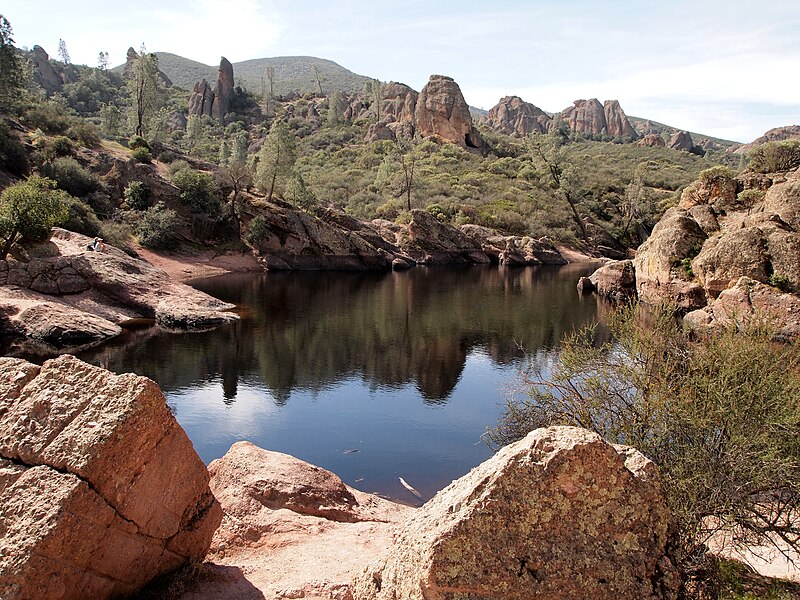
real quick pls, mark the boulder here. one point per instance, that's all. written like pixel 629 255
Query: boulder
pixel 296 529
pixel 615 280
pixel 517 118
pixel 511 250
pixel 60 326
pixel 400 102
pixel 681 140
pixel 442 112
pixel 652 140
pixel 559 514
pixel 617 123
pixel 733 254
pixel 660 275
pixel 431 242
pixel 102 490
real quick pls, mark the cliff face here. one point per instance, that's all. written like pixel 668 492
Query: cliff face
pixel 214 101
pixel 517 118
pixel 442 112
pixel 592 118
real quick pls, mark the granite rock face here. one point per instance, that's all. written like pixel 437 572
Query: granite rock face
pixel 559 514
pixel 214 101
pixel 616 280
pixel 517 118
pixel 681 140
pixel 100 488
pixel 592 118
pixel 442 112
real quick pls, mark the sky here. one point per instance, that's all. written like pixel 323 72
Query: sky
pixel 729 69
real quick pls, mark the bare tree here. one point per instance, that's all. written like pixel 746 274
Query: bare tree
pixel 318 77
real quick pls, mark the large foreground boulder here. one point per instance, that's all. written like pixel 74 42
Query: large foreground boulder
pixel 290 529
pixel 559 514
pixel 100 488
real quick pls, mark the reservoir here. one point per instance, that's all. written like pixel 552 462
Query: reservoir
pixel 374 376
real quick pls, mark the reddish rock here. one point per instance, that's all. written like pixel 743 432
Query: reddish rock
pixel 517 118
pixel 442 112
pixel 615 280
pixel 511 250
pixel 681 140
pixel 777 134
pixel 223 90
pixel 752 303
pixel 201 101
pixel 101 488
pixel 585 116
pixel 295 529
pixel 559 514
pixel 617 123
pixel 399 102
pixel 652 140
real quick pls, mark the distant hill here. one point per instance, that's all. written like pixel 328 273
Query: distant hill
pixel 292 73
pixel 643 126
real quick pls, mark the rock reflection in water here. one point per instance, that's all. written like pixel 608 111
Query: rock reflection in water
pixel 307 331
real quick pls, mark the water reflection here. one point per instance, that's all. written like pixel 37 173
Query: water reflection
pixel 309 331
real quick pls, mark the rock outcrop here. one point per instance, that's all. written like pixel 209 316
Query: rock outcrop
pixel 592 522
pixel 681 140
pixel 100 488
pixel 511 250
pixel 615 280
pixel 777 134
pixel 442 112
pixel 43 72
pixel 399 102
pixel 517 118
pixel 296 529
pixel 652 140
pixel 214 101
pixel 64 295
pixel 589 117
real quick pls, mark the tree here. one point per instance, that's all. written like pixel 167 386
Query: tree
pixel 11 71
pixel 375 93
pixel 548 150
pixel 144 89
pixel 63 54
pixel 398 172
pixel 408 163
pixel 268 91
pixel 236 176
pixel 29 210
pixel 318 77
pixel 102 61
pixel 276 158
pixel 336 108
pixel 718 416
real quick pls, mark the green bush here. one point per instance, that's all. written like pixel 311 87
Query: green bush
pixel 60 146
pixel 72 177
pixel 157 227
pixel 781 282
pixel 198 191
pixel 717 174
pixel 137 195
pixel 167 156
pixel 142 155
pixel 773 157
pixel 257 231
pixel 138 141
pixel 13 156
pixel 719 416
pixel 86 133
pixel 81 218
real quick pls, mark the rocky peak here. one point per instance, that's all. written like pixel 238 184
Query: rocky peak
pixel 517 118
pixel 43 72
pixel 399 101
pixel 442 112
pixel 213 102
pixel 617 123
pixel 592 118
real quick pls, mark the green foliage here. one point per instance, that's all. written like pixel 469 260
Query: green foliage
pixel 749 198
pixel 60 146
pixel 13 156
pixel 157 226
pixel 719 416
pixel 11 73
pixel 297 193
pixel 144 89
pixel 781 282
pixel 80 218
pixel 142 155
pixel 28 210
pixel 717 174
pixel 198 191
pixel 51 117
pixel 276 159
pixel 137 195
pixel 257 231
pixel 72 177
pixel 773 157
pixel 138 141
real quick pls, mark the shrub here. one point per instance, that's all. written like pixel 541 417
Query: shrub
pixel 72 177
pixel 138 141
pixel 157 226
pixel 13 156
pixel 775 156
pixel 28 210
pixel 86 133
pixel 198 191
pixel 81 218
pixel 749 198
pixel 177 166
pixel 781 282
pixel 257 231
pixel 717 174
pixel 167 156
pixel 142 155
pixel 60 146
pixel 137 195
pixel 719 416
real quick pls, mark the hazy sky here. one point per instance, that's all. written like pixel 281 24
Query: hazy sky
pixel 729 68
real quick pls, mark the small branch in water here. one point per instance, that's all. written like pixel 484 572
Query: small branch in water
pixel 410 488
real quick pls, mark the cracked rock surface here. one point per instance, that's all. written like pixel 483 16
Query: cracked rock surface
pixel 100 488
pixel 559 514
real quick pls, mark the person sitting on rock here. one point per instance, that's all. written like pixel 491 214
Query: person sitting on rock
pixel 96 245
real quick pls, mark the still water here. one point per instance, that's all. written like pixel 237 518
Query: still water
pixel 373 376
